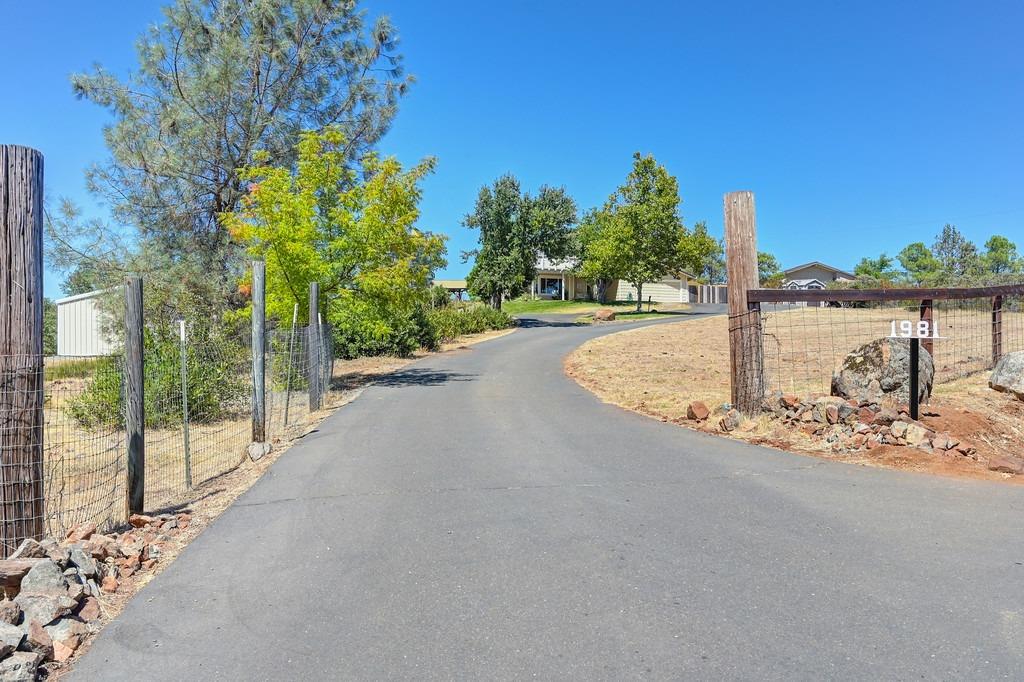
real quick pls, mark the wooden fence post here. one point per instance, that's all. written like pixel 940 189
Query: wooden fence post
pixel 745 351
pixel 134 395
pixel 997 329
pixel 21 345
pixel 259 324
pixel 313 337
pixel 928 315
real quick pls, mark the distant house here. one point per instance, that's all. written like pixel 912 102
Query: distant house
pixel 814 275
pixel 554 280
pixel 456 287
pixel 80 326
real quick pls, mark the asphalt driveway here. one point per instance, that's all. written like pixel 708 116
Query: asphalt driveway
pixel 480 516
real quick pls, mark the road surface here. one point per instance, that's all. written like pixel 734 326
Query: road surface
pixel 480 516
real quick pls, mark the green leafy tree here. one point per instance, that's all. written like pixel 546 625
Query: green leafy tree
pixel 769 272
pixel 603 247
pixel 49 327
pixel 919 263
pixel 958 256
pixel 515 228
pixel 354 233
pixel 702 254
pixel 881 268
pixel 642 217
pixel 1001 256
pixel 216 81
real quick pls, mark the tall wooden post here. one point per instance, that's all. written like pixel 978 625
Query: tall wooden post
pixel 259 325
pixel 315 363
pixel 745 352
pixel 21 345
pixel 997 329
pixel 134 395
pixel 928 315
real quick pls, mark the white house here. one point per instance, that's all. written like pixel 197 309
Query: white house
pixel 814 275
pixel 80 323
pixel 554 280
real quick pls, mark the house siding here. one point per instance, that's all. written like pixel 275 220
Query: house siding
pixel 80 327
pixel 665 291
pixel 814 272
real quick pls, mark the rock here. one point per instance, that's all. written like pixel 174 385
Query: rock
pixel 1008 375
pixel 82 531
pixel 21 666
pixel 109 584
pixel 140 520
pixel 885 416
pixel 1006 465
pixel 943 442
pixel 102 546
pixel 38 640
pixel 11 637
pixel 604 315
pixel 76 591
pixel 916 434
pixel 10 612
pixel 44 608
pixel 881 367
pixel 28 549
pixel 790 401
pixel 83 560
pixel 898 429
pixel 730 421
pixel 67 635
pixel 697 411
pixel 89 609
pixel 257 450
pixel 46 577
pixel 832 414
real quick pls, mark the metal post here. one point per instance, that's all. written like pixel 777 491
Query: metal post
pixel 259 377
pixel 313 332
pixel 135 404
pixel 184 406
pixel 915 353
pixel 288 375
pixel 997 329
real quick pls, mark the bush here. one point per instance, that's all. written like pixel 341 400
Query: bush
pixel 453 321
pixel 219 382
pixel 360 328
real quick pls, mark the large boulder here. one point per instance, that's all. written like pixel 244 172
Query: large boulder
pixel 1008 375
pixel 882 368
pixel 604 315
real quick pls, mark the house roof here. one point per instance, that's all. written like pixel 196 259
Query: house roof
pixel 547 265
pixel 450 283
pixel 823 266
pixel 803 283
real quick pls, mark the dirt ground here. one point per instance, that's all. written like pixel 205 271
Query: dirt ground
pixel 659 370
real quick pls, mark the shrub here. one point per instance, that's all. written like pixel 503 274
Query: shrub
pixel 456 320
pixel 219 382
pixel 361 328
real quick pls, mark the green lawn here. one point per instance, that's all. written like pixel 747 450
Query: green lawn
pixel 524 305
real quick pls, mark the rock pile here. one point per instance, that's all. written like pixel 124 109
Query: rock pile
pixel 851 425
pixel 53 590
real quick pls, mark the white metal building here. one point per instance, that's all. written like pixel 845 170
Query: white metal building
pixel 80 324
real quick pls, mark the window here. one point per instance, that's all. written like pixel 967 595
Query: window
pixel 551 286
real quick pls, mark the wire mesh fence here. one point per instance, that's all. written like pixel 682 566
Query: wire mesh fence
pixel 198 397
pixel 798 347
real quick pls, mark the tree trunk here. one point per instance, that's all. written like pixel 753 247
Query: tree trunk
pixel 639 296
pixel 602 290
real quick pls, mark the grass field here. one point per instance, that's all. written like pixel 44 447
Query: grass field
pixel 524 305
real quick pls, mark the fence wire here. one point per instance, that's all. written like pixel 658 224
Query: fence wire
pixel 799 348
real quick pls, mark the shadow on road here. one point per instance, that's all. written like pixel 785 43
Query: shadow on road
pixel 548 321
pixel 406 377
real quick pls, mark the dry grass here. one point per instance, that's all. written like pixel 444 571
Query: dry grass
pixel 659 370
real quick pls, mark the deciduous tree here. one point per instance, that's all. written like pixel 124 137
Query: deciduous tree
pixel 516 228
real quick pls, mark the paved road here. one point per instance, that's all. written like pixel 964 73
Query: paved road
pixel 480 516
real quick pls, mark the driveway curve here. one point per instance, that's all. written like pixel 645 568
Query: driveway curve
pixel 478 515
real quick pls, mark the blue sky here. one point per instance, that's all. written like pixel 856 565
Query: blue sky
pixel 859 126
